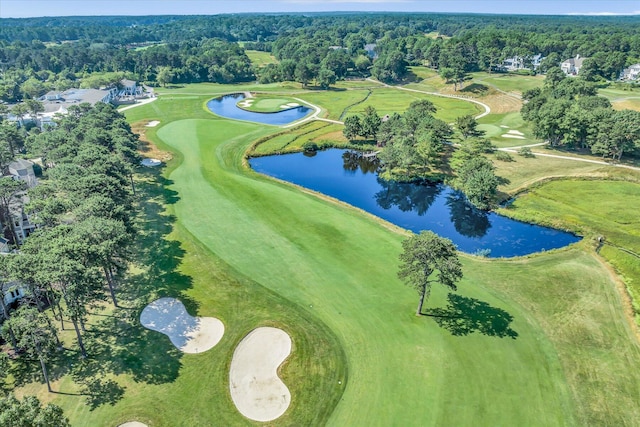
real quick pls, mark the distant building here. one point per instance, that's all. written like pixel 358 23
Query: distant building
pixel 572 66
pixel 371 50
pixel 631 73
pixel 516 63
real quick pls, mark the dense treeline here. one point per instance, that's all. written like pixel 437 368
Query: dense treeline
pixel 567 112
pixel 74 260
pixel 51 53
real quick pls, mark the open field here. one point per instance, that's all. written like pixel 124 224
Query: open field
pixel 580 205
pixel 538 340
pixel 259 59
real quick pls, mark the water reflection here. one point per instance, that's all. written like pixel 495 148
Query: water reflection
pixel 351 178
pixel 407 196
pixel 466 218
pixel 354 160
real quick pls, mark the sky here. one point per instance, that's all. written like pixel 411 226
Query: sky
pixel 30 8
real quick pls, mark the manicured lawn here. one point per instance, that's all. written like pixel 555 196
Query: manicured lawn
pixel 338 103
pixel 389 101
pixel 541 340
pixel 510 82
pixel 268 103
pixel 497 125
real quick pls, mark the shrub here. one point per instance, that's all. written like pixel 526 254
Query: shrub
pixel 526 152
pixel 310 146
pixel 503 156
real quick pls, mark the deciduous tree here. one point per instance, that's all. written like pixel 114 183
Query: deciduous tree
pixel 426 259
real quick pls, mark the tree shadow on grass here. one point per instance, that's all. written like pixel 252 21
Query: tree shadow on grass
pixel 463 316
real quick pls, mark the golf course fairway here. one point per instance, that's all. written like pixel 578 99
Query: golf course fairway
pixel 513 354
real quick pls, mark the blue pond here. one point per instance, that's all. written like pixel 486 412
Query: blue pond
pixel 226 107
pixel 348 177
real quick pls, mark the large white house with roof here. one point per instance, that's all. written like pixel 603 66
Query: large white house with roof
pixel 631 73
pixel 572 66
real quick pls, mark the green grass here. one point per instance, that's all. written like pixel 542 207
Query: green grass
pixel 496 125
pixel 592 208
pixel 337 103
pixel 267 103
pixel 252 251
pixel 259 59
pixel 389 101
pixel 509 82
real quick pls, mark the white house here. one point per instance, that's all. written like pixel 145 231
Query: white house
pixel 521 63
pixel 129 88
pixel 631 73
pixel 572 66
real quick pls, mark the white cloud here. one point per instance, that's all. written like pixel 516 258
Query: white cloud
pixel 633 13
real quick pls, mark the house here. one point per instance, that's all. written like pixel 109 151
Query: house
pixel 631 73
pixel 129 88
pixel 22 224
pixel 4 246
pixel 22 170
pixel 516 63
pixel 572 66
pixel 10 293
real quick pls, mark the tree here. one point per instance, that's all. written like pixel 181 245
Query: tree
pixel 370 122
pixel 34 335
pixel 326 78
pixel 165 75
pixel 29 412
pixel 468 126
pixel 352 127
pixel 429 258
pixel 618 134
pixel 476 178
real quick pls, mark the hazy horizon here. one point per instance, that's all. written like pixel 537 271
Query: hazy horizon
pixel 55 8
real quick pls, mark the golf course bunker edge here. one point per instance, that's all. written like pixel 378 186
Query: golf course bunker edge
pixel 256 390
pixel 189 334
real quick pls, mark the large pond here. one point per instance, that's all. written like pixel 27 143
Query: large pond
pixel 349 177
pixel 225 106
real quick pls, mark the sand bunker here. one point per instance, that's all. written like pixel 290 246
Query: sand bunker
pixel 290 105
pixel 152 124
pixel 189 334
pixel 245 103
pixel 150 163
pixel 504 126
pixel 256 389
pixel 133 424
pixel 515 134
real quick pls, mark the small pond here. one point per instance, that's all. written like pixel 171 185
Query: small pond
pixel 347 176
pixel 225 106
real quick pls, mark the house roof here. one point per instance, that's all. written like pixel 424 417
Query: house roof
pixel 20 165
pixel 74 97
pixel 127 82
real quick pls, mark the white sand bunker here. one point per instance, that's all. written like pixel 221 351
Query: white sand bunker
pixel 290 105
pixel 152 123
pixel 150 163
pixel 189 334
pixel 504 126
pixel 133 424
pixel 256 389
pixel 246 103
pixel 515 134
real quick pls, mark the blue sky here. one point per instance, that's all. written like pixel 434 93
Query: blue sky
pixel 27 8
